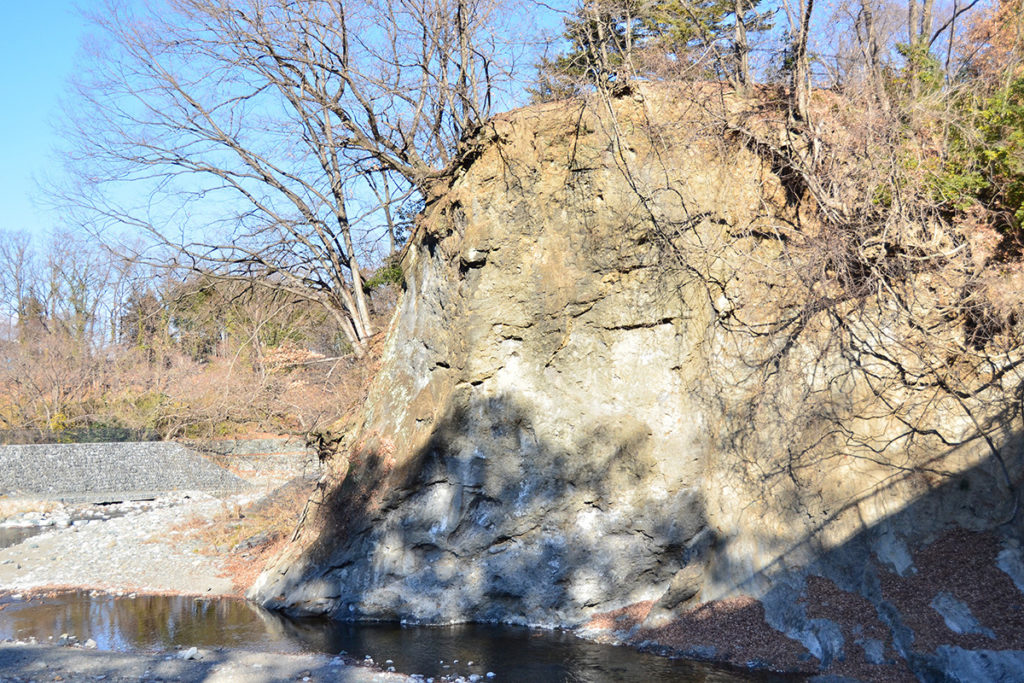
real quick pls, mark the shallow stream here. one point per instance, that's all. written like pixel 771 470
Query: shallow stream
pixel 156 623
pixel 13 535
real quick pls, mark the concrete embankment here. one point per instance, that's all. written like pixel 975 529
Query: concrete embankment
pixel 109 471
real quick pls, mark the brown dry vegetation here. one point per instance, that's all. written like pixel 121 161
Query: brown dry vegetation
pixel 248 537
pixel 98 349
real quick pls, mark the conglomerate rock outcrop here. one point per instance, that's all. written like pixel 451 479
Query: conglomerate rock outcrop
pixel 565 424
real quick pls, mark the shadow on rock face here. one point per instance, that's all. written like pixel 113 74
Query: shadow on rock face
pixel 489 522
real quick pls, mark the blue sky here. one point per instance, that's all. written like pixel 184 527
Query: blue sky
pixel 37 55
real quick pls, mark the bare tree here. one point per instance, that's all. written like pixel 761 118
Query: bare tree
pixel 236 133
pixel 871 52
pixel 799 61
pixel 16 275
pixel 741 45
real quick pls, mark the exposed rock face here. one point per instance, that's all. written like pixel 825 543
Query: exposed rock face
pixel 562 424
pixel 546 462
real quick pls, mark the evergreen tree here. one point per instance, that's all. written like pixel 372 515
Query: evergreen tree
pixel 609 40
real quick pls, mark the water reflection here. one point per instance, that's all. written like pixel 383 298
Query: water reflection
pixel 13 535
pixel 513 653
pixel 144 622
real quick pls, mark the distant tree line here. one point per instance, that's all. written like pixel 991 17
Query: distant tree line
pixel 93 344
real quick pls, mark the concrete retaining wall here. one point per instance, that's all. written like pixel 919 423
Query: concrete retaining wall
pixel 109 471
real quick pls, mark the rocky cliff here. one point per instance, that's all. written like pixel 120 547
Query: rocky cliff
pixel 589 399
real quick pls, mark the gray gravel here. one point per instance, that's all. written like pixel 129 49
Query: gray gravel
pixel 111 471
pixel 146 550
pixel 20 663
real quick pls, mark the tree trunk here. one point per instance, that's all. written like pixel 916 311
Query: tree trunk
pixel 741 47
pixel 925 31
pixel 800 85
pixel 345 323
pixel 361 307
pixel 868 36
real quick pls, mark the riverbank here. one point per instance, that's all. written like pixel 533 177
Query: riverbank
pixel 207 545
pixel 208 516
pixel 953 611
pixel 24 662
pixel 154 549
pixel 179 543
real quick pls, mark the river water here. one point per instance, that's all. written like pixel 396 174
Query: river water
pixel 13 535
pixel 156 623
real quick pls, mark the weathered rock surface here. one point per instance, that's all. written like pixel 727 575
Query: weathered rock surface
pixel 564 425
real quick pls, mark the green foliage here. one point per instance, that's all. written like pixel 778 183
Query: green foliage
pixel 197 332
pixel 985 161
pixel 953 183
pixel 677 26
pixel 920 68
pixel 388 274
pixel 1001 156
pixel 606 39
pixel 603 36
